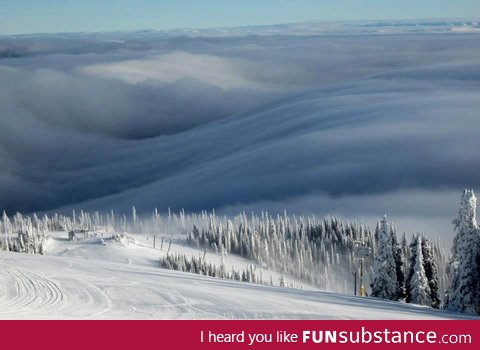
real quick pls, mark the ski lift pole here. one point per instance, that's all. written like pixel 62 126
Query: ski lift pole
pixel 362 287
pixel 354 282
pixel 362 251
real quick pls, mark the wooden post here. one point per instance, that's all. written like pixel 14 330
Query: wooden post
pixel 161 244
pixel 154 241
pixel 169 245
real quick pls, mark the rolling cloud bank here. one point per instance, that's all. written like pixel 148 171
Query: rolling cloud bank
pixel 355 120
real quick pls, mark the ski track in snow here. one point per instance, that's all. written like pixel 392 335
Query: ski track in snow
pixel 26 294
pixel 28 291
pixel 56 287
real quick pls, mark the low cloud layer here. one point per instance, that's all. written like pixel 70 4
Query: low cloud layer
pixel 225 73
pixel 346 124
pixel 115 108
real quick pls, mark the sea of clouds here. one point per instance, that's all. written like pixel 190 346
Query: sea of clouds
pixel 368 119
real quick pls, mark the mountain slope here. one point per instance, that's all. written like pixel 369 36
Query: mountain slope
pixel 93 281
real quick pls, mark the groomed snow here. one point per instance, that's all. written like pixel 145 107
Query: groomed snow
pixel 90 280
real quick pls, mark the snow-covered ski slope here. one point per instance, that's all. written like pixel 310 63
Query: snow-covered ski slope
pixel 90 280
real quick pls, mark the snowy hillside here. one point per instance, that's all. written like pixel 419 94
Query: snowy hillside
pixel 96 280
pixel 274 150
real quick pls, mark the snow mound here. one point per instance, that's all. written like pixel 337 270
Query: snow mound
pixel 123 239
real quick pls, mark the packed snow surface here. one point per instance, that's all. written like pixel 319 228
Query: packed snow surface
pixel 99 279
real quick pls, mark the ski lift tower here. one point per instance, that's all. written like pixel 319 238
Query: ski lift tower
pixel 361 251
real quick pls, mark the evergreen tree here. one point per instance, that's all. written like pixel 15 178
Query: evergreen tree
pixel 384 283
pixel 6 230
pixel 418 288
pixel 399 264
pixel 431 271
pixel 134 215
pixel 463 293
pixel 406 256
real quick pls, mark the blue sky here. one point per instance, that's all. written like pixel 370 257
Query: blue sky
pixel 33 16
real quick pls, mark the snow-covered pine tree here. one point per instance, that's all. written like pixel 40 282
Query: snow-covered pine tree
pixel 134 215
pixel 6 230
pixel 463 293
pixel 399 264
pixel 406 256
pixel 411 264
pixel 384 283
pixel 431 271
pixel 418 289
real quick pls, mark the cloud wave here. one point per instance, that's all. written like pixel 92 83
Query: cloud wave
pixel 244 121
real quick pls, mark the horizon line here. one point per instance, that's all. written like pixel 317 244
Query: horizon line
pixel 169 30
